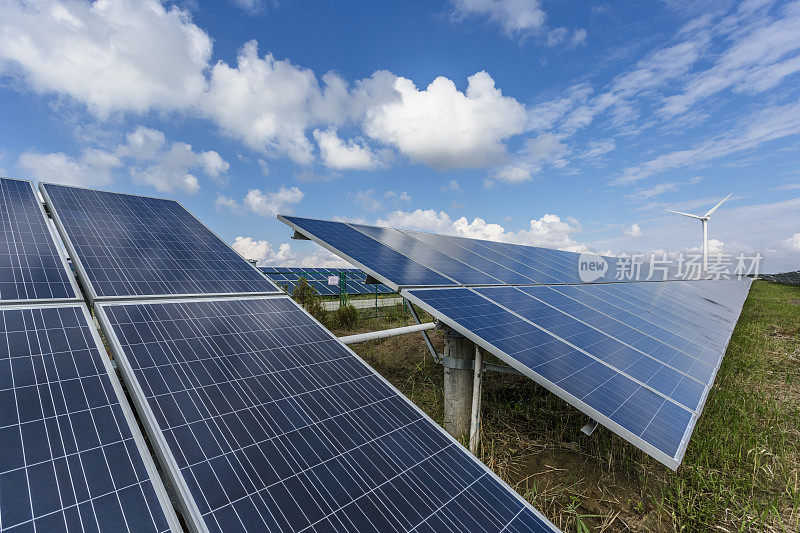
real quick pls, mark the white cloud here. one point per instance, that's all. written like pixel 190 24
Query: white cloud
pixel 283 255
pixel 512 174
pixel 445 128
pixel 265 102
pixel 563 35
pixel 793 242
pixel 548 231
pixel 366 199
pixel 763 51
pixel 168 169
pixel 451 186
pixel 341 155
pixel 121 55
pixel 150 158
pixel 225 202
pixel 402 196
pixel 633 231
pixel 91 168
pixel 516 17
pixel 269 204
pixel 766 125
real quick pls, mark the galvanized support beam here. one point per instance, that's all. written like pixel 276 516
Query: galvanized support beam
pixel 384 333
pixel 424 333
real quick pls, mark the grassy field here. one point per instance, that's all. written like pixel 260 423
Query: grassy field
pixel 742 468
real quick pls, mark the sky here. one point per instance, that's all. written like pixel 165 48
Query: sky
pixel 565 124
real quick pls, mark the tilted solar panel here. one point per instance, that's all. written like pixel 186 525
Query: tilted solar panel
pixel 318 278
pixel 31 264
pixel 264 420
pixel 131 246
pixel 71 456
pixel 640 358
pixel 427 259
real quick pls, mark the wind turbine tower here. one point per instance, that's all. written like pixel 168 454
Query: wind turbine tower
pixel 704 222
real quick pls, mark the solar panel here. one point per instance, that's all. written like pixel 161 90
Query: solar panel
pixel 384 263
pixel 131 246
pixel 637 356
pixel 31 265
pixel 71 456
pixel 318 278
pixel 615 351
pixel 265 421
pixel 402 258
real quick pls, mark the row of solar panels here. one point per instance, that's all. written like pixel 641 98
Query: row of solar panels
pixel 787 278
pixel 260 418
pixel 415 258
pixel 638 357
pixel 318 278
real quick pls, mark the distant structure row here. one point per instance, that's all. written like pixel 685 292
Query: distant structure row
pixel 355 280
pixel 787 278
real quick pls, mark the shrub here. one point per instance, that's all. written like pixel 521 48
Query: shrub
pixel 347 316
pixel 396 313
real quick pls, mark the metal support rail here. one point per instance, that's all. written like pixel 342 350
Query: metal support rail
pixel 384 333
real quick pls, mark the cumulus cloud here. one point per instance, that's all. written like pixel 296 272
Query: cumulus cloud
pixel 341 155
pixel 149 157
pixel 793 242
pixel 91 168
pixel 549 231
pixel 271 203
pixel 451 186
pixel 445 128
pixel 122 55
pixel 366 200
pixel 265 102
pixel 401 196
pixel 266 253
pixel 633 231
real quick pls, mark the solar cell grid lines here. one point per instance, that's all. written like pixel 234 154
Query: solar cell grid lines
pixel 132 246
pixel 269 422
pixel 31 265
pixel 69 458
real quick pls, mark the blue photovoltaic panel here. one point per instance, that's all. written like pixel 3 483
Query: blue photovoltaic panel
pixel 31 267
pixel 465 261
pixel 318 278
pixel 128 246
pixel 387 264
pixel 71 457
pixel 674 375
pixel 632 410
pixel 267 422
pixel 500 267
pixel 428 256
pixel 615 351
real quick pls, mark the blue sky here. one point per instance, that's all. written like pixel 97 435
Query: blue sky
pixel 563 123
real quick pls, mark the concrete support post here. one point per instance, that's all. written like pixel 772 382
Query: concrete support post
pixel 458 381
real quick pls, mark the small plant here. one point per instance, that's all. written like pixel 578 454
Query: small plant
pixel 307 296
pixel 347 316
pixel 396 313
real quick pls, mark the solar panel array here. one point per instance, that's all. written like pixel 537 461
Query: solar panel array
pixel 287 277
pixel 786 278
pixel 31 265
pixel 132 246
pixel 261 419
pixel 639 357
pixel 269 423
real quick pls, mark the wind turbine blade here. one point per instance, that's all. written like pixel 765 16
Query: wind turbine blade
pixel 717 206
pixel 685 214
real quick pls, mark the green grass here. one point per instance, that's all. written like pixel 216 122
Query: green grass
pixel 741 471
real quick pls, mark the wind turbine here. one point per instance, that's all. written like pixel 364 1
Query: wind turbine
pixel 704 222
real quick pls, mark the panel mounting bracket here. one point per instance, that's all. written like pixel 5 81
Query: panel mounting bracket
pixel 589 428
pixel 299 236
